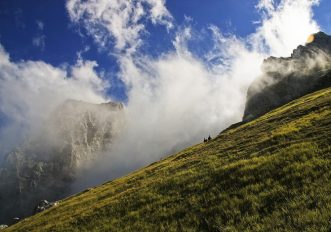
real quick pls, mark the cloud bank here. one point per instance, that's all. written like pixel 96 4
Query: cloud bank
pixel 176 99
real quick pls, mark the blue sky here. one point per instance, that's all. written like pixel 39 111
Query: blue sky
pixel 62 40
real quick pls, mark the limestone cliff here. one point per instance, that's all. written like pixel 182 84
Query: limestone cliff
pixel 45 166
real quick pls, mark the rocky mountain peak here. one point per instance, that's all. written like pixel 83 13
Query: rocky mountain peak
pixel 284 79
pixel 319 39
pixel 316 43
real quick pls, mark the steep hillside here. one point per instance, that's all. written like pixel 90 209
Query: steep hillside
pixel 271 174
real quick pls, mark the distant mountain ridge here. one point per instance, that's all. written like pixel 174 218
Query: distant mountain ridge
pixel 45 166
pixel 308 69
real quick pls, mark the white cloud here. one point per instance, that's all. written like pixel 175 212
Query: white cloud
pixel 285 25
pixel 120 20
pixel 267 5
pixel 39 42
pixel 176 99
pixel 40 25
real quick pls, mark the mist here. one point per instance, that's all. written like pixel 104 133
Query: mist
pixel 174 99
pixel 31 90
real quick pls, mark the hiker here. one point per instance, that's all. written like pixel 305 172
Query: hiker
pixel 209 138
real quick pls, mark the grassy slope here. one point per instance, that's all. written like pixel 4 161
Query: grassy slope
pixel 271 174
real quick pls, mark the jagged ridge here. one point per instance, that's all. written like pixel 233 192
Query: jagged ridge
pixel 308 69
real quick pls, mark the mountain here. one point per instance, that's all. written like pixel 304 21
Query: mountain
pixel 270 174
pixel 308 69
pixel 46 165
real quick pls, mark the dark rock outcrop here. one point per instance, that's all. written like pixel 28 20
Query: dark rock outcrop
pixel 308 69
pixel 45 166
pixel 43 205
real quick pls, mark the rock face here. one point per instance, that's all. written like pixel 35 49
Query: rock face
pixel 45 166
pixel 284 79
pixel 43 205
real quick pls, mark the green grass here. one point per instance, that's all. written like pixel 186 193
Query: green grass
pixel 271 174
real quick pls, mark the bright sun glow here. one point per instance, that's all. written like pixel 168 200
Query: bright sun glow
pixel 310 39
